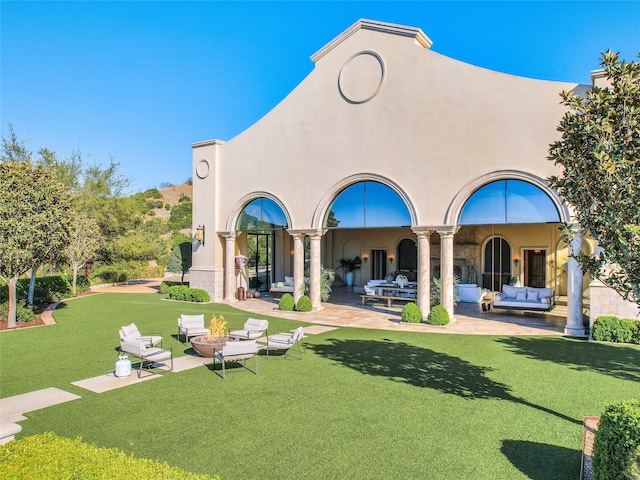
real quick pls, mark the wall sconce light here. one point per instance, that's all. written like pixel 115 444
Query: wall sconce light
pixel 200 234
pixel 292 252
pixel 516 259
pixel 365 257
pixel 390 258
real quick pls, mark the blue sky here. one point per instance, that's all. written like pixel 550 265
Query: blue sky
pixel 142 81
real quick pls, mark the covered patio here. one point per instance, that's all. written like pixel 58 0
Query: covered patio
pixel 344 309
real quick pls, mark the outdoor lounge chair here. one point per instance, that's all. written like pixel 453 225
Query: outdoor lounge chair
pixel 131 332
pixel 286 341
pixel 238 352
pixel 253 328
pixel 149 356
pixel 191 326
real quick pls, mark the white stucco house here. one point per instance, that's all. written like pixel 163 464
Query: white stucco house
pixel 417 163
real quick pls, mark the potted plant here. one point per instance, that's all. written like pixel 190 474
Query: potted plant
pixel 206 345
pixel 349 265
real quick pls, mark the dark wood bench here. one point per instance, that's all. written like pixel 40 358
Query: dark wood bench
pixel 389 299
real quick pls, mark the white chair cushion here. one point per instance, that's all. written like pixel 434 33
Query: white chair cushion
pixel 130 331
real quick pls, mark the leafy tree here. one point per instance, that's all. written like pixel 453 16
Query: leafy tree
pixel 180 259
pixel 83 244
pixel 34 220
pixel 600 154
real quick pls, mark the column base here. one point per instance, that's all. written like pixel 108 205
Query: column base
pixel 317 307
pixel 231 300
pixel 575 332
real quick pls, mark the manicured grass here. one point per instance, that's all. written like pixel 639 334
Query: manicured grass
pixel 362 403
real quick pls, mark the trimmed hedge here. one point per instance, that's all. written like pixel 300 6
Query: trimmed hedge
pixel 411 313
pixel 617 441
pixel 304 304
pixel 438 316
pixel 47 289
pixel 47 456
pixel 614 329
pixel 186 294
pixel 165 285
pixel 287 303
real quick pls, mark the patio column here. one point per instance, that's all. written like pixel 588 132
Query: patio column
pixel 423 299
pixel 314 273
pixel 298 263
pixel 229 266
pixel 574 327
pixel 446 268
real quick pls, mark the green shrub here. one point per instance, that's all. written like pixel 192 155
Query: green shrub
pixel 23 313
pixel 617 440
pixel 304 304
pixel 438 316
pixel 286 303
pixel 47 289
pixel 634 473
pixel 186 294
pixel 108 274
pixel 48 456
pixel 614 329
pixel 152 193
pixel 165 284
pixel 411 313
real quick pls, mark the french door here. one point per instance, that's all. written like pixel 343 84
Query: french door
pixel 259 261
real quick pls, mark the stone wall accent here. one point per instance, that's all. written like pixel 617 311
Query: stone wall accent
pixel 606 301
pixel 209 279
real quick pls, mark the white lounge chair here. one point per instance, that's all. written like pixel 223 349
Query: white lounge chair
pixel 191 326
pixel 238 352
pixel 131 332
pixel 286 341
pixel 149 356
pixel 253 328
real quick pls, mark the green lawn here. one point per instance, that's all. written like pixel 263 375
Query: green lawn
pixel 362 403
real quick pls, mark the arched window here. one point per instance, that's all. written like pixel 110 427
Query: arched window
pixel 367 205
pixel 261 214
pixel 508 201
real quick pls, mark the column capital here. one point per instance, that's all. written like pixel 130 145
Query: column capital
pixel 447 230
pixel 422 231
pixel 228 234
pixel 576 228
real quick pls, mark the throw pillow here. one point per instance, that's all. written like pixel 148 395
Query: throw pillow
pixel 532 296
pixel 521 295
pixel 288 281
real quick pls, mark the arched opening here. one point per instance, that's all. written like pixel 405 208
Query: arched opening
pixel 264 223
pixel 407 258
pixel 496 263
pixel 355 212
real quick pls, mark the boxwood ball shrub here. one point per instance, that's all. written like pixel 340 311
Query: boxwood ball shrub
pixel 286 303
pixel 617 441
pixel 304 304
pixel 411 313
pixel 438 316
pixel 48 456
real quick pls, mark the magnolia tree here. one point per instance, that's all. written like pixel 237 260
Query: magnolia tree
pixel 599 152
pixel 34 220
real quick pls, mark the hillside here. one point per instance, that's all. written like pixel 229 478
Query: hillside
pixel 171 196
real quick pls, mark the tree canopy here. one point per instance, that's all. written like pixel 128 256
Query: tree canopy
pixel 34 220
pixel 599 152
